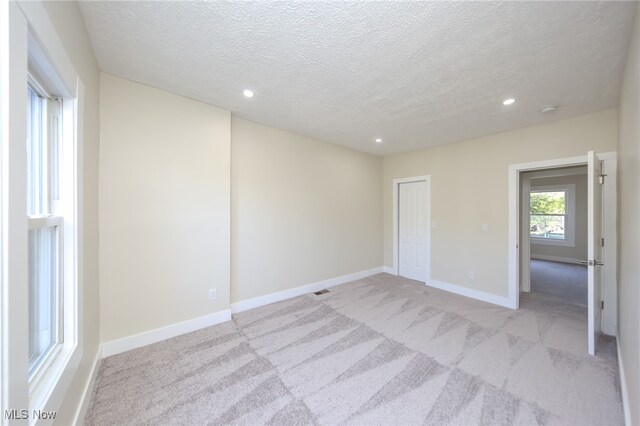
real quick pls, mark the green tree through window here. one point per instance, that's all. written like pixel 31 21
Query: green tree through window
pixel 548 213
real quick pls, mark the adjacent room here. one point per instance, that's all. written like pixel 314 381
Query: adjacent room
pixel 287 213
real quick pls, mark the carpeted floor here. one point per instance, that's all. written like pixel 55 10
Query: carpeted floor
pixel 559 282
pixel 383 350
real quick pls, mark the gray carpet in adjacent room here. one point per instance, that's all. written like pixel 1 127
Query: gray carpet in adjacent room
pixel 559 282
pixel 382 350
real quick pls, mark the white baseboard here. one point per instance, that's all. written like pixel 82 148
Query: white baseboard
pixel 267 299
pixel 115 347
pixel 468 292
pixel 88 389
pixel 389 270
pixel 556 258
pixel 153 336
pixel 623 386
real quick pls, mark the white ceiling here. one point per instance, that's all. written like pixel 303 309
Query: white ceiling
pixel 417 74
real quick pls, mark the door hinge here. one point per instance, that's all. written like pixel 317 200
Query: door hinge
pixel 602 304
pixel 601 178
pixel 601 242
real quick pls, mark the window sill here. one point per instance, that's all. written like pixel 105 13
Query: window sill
pixel 48 388
pixel 550 242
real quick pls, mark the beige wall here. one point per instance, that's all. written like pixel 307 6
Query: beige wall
pixel 69 25
pixel 469 187
pixel 164 208
pixel 303 210
pixel 579 250
pixel 628 224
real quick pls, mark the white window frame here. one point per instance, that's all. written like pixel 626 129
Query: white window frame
pixel 61 362
pixel 31 45
pixel 570 216
pixel 52 218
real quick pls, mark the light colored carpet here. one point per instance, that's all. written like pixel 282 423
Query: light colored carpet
pixel 383 350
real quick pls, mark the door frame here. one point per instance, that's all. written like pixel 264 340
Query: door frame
pixel 515 251
pixel 610 250
pixel 515 219
pixel 525 242
pixel 396 222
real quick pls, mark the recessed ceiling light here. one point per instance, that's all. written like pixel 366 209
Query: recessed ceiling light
pixel 248 93
pixel 378 140
pixel 548 108
pixel 508 101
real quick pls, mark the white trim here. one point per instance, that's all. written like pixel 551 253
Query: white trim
pixel 557 259
pixel 525 236
pixel 610 250
pixel 609 227
pixel 452 288
pixel 624 391
pixel 267 299
pixel 468 292
pixel 570 215
pixel 14 374
pixel 552 173
pixel 525 243
pixel 34 43
pixel 388 270
pixel 153 336
pixel 396 183
pixel 51 55
pixel 594 251
pixel 4 54
pixel 513 258
pixel 159 334
pixel 514 239
pixel 87 393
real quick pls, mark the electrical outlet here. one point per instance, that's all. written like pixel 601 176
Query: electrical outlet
pixel 213 295
pixel 472 275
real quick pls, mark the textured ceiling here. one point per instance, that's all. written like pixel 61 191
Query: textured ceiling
pixel 416 74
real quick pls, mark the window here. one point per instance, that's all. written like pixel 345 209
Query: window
pixel 45 290
pixel 551 215
pixel 42 175
pixel 548 214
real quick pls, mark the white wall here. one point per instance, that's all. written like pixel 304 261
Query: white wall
pixel 628 225
pixel 469 187
pixel 579 250
pixel 164 208
pixel 303 210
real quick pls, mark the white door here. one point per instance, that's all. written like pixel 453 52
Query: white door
pixel 412 226
pixel 594 249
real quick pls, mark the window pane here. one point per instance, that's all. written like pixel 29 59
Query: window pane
pixel 36 152
pixel 543 226
pixel 548 202
pixel 43 294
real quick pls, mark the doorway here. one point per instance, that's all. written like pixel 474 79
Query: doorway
pixel 411 228
pixel 554 233
pixel 601 202
pixel 554 227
